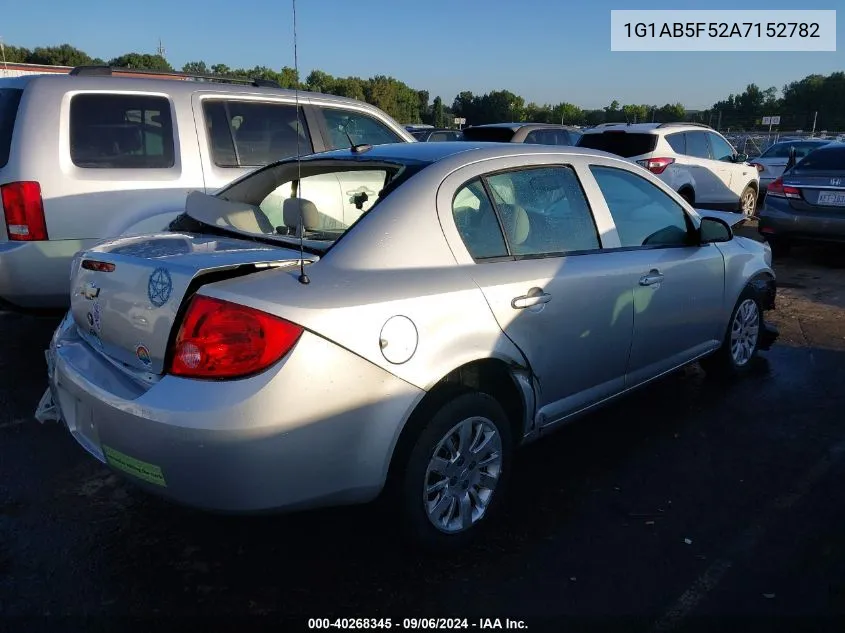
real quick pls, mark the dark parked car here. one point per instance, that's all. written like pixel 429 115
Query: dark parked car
pixel 807 203
pixel 536 133
pixel 436 134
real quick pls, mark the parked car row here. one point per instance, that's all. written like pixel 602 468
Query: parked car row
pixel 283 300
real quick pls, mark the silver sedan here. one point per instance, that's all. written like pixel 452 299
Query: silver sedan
pixel 291 342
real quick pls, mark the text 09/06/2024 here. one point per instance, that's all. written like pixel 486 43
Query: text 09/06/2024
pixel 710 30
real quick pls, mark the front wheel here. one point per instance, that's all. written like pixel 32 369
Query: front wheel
pixel 742 340
pixel 456 471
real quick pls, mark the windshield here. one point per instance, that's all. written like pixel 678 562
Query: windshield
pixel 781 150
pixel 316 200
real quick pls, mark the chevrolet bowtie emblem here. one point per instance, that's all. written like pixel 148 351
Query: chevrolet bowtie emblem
pixel 90 291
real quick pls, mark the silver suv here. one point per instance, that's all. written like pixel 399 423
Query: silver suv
pixel 91 155
pixel 694 159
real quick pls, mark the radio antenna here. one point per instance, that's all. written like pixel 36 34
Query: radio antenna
pixel 303 278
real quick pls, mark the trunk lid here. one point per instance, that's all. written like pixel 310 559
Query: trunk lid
pixel 820 190
pixel 125 304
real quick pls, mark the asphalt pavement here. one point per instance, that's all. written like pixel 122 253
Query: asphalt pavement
pixel 693 505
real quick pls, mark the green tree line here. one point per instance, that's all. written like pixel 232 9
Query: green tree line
pixel 798 103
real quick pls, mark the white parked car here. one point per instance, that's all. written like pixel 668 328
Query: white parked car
pixel 693 159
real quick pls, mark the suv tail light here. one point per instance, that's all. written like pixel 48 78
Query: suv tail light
pixel 219 339
pixel 777 189
pixel 24 211
pixel 656 165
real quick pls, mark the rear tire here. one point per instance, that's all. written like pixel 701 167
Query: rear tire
pixel 748 202
pixel 688 195
pixel 455 475
pixel 780 247
pixel 741 341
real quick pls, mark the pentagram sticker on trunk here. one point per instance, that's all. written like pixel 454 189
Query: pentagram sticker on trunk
pixel 159 287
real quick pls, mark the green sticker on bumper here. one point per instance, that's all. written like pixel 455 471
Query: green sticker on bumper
pixel 135 467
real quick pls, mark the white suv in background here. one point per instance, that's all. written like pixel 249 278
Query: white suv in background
pixel 693 159
pixel 95 154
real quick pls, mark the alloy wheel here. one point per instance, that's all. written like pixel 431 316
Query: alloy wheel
pixel 745 330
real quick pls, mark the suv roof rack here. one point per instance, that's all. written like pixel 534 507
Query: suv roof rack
pixel 682 123
pixel 108 71
pixel 609 123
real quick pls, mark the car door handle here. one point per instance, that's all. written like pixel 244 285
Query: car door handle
pixel 530 300
pixel 653 277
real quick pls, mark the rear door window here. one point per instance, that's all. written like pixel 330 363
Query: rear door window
pixel 625 144
pixel 121 131
pixel 697 145
pixel 343 125
pixel 544 211
pixel 254 133
pixel 9 100
pixel 476 221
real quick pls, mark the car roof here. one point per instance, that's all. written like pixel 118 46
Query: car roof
pixel 170 86
pixel 518 126
pixel 437 151
pixel 646 128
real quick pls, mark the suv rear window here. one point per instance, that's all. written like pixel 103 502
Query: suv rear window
pixel 121 131
pixel 9 100
pixel 253 133
pixel 625 144
pixel 488 134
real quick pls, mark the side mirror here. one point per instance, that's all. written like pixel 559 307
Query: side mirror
pixel 741 158
pixel 714 230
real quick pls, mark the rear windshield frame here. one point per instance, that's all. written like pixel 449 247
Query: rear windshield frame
pixel 10 99
pixel 629 139
pixel 404 170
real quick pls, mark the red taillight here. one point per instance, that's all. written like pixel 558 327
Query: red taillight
pixel 219 339
pixel 656 165
pixel 759 167
pixel 24 211
pixel 777 189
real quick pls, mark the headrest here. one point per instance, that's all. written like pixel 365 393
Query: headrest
pixel 516 222
pixel 295 208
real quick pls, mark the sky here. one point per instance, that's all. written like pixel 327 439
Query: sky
pixel 546 51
